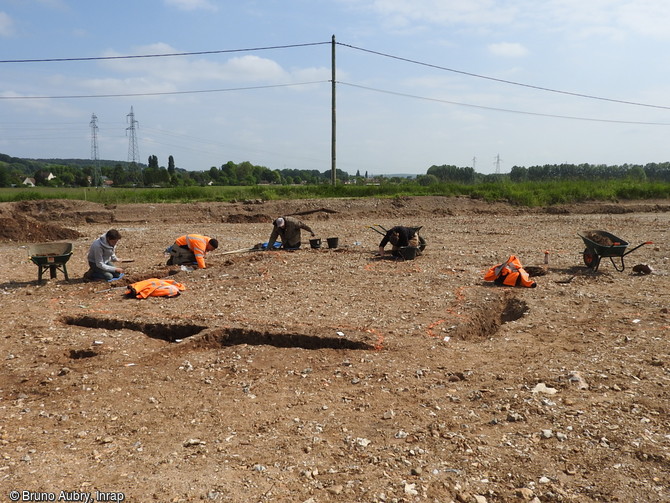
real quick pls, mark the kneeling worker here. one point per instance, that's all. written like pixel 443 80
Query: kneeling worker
pixel 288 229
pixel 101 258
pixel 190 249
pixel 400 236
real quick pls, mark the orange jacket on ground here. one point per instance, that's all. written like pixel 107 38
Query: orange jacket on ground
pixel 155 287
pixel 510 273
pixel 197 243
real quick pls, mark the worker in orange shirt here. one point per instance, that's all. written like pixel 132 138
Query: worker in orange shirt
pixel 191 249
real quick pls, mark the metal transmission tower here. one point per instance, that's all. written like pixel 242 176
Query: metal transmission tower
pixel 133 150
pixel 97 175
pixel 498 164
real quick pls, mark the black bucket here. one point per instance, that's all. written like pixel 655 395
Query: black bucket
pixel 315 243
pixel 408 252
pixel 333 242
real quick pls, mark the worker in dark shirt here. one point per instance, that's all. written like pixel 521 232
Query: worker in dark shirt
pixel 288 230
pixel 399 236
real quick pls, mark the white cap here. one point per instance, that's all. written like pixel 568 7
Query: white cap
pixel 280 222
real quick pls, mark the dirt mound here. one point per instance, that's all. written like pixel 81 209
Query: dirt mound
pixel 240 218
pixel 44 220
pixel 28 230
pixel 64 211
pixel 599 238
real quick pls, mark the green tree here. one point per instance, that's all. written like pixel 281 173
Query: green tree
pixel 4 177
pixel 637 173
pixel 518 174
pixel 426 180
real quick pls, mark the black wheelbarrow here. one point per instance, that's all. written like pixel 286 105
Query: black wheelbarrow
pixel 601 244
pixel 51 256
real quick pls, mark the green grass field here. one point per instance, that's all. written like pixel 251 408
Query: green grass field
pixel 522 194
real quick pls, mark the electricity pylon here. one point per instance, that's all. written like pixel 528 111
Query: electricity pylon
pixel 133 150
pixel 97 175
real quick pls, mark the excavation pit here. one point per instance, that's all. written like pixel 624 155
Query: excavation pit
pixel 229 336
pixel 78 354
pixel 513 309
pixel 163 331
pixel 483 317
pixel 238 336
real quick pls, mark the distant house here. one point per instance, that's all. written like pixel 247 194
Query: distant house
pixel 30 182
pixel 51 176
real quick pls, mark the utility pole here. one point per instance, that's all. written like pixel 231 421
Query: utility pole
pixel 133 150
pixel 498 164
pixel 333 151
pixel 97 175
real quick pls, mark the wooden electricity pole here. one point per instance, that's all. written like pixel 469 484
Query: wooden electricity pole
pixel 333 176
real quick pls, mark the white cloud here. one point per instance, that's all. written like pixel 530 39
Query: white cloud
pixel 614 19
pixel 6 25
pixel 138 85
pixel 181 71
pixel 192 4
pixel 508 49
pixel 446 12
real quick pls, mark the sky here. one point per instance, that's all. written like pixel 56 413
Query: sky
pixel 489 84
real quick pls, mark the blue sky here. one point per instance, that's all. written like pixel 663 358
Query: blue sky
pixel 483 83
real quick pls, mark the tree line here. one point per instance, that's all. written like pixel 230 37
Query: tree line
pixel 87 173
pixel 653 172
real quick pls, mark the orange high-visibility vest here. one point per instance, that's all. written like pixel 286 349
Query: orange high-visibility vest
pixel 154 287
pixel 510 273
pixel 197 243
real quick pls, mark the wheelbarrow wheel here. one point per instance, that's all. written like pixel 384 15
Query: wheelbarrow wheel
pixel 591 259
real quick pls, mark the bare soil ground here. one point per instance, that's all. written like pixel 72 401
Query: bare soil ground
pixel 325 375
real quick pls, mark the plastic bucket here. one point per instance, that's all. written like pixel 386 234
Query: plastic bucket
pixel 333 242
pixel 408 252
pixel 315 243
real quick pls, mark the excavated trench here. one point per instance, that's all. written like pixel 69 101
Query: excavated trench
pixel 221 337
pixel 235 336
pixel 482 319
pixel 164 331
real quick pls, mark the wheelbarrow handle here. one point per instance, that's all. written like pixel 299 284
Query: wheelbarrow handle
pixel 638 246
pixel 376 230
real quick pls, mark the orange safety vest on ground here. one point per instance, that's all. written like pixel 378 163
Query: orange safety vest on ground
pixel 510 273
pixel 155 287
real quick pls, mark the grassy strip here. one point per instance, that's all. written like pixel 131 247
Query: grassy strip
pixel 523 194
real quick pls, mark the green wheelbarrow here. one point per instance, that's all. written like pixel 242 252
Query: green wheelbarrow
pixel 51 257
pixel 601 244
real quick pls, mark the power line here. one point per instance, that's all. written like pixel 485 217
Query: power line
pixel 164 93
pixel 503 109
pixel 539 88
pixel 163 55
pixel 289 46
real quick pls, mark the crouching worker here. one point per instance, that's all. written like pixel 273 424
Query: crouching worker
pixel 191 249
pixel 101 258
pixel 288 230
pixel 400 236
